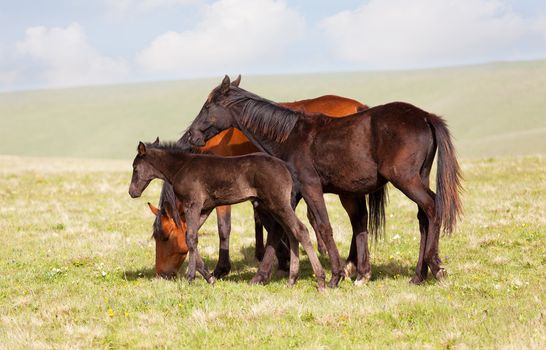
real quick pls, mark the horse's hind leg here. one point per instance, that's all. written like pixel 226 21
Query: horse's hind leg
pixel 195 220
pixel 421 271
pixel 359 255
pixel 428 224
pixel 272 245
pixel 299 233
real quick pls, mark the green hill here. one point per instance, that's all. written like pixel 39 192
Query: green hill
pixel 493 109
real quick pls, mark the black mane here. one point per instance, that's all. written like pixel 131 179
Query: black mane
pixel 262 116
pixel 173 146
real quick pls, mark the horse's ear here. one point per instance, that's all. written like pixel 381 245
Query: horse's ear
pixel 237 81
pixel 154 209
pixel 141 149
pixel 168 212
pixel 224 87
pixel 156 142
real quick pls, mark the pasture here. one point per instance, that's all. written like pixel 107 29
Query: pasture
pixel 77 254
pixel 78 270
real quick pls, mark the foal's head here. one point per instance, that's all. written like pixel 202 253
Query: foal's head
pixel 214 116
pixel 143 171
pixel 170 242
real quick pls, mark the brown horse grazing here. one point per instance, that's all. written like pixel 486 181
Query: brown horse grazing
pixel 360 154
pixel 232 142
pixel 170 242
pixel 203 182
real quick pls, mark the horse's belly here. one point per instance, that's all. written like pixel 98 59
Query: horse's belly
pixel 345 164
pixel 356 179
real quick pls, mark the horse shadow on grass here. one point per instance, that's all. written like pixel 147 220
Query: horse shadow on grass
pixel 243 269
pixel 142 273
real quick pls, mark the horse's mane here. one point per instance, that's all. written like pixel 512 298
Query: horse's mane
pixel 262 116
pixel 167 199
pixel 173 147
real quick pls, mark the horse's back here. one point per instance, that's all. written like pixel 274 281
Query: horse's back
pixel 229 142
pixel 330 105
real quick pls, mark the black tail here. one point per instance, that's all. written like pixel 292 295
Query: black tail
pixel 448 177
pixel 376 220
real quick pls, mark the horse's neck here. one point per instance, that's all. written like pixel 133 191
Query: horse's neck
pixel 169 164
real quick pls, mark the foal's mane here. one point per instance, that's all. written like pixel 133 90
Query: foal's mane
pixel 262 116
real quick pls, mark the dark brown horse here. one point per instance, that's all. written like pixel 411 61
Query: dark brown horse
pixel 356 155
pixel 203 182
pixel 232 142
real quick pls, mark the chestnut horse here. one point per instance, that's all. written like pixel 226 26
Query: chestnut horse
pixel 170 253
pixel 209 181
pixel 354 156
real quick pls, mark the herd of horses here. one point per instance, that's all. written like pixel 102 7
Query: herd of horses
pixel 329 144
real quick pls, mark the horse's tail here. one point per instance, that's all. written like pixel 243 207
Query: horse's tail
pixel 448 177
pixel 376 203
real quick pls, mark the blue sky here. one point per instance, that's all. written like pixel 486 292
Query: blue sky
pixel 58 43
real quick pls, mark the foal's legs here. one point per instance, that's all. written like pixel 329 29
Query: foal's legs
pixel 274 234
pixel 356 209
pixel 223 266
pixel 318 217
pixel 194 220
pixel 298 233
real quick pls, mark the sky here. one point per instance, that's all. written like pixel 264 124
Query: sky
pixel 62 43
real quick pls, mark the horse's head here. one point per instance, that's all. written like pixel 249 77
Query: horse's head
pixel 143 171
pixel 170 242
pixel 214 116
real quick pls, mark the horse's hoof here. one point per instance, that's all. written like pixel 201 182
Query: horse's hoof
pixel 362 280
pixel 211 280
pixel 350 269
pixel 416 280
pixel 441 274
pixel 258 279
pixel 291 282
pixel 220 273
pixel 335 280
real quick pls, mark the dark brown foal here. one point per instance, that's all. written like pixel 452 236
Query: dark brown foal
pixel 203 182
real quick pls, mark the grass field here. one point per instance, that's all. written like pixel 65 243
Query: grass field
pixel 77 263
pixel 493 109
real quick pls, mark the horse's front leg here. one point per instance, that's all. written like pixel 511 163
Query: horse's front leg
pixel 318 217
pixel 259 251
pixel 223 266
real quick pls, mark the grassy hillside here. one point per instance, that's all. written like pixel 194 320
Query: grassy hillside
pixel 493 109
pixel 77 271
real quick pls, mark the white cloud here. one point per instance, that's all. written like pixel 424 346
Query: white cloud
pixel 68 58
pixel 233 35
pixel 124 6
pixel 419 33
